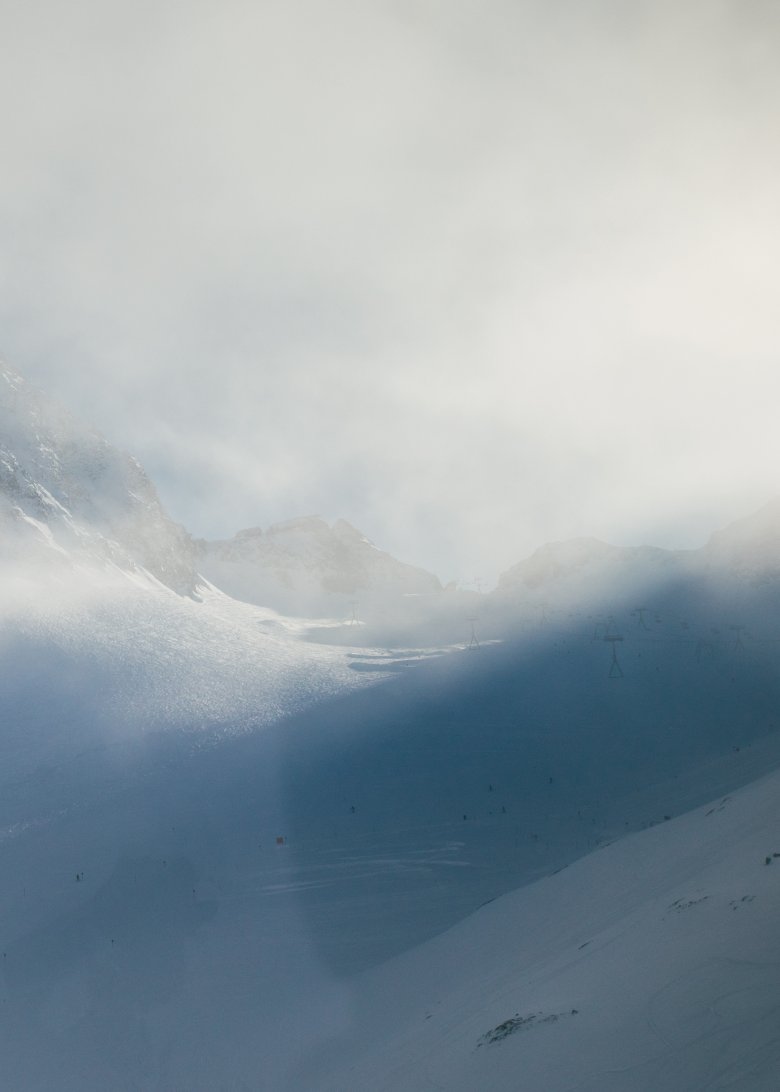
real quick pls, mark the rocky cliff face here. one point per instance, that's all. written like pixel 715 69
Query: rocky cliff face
pixel 66 493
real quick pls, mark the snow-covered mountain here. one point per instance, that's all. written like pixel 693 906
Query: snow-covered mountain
pixel 587 559
pixel 118 695
pixel 739 562
pixel 748 548
pixel 652 964
pixel 67 495
pixel 234 858
pixel 222 849
pixel 306 566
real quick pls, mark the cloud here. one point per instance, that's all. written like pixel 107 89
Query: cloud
pixel 472 276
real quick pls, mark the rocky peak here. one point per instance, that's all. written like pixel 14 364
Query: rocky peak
pixel 63 485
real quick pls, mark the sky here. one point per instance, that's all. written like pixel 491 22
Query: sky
pixel 471 274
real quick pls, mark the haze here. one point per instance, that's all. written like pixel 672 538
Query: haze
pixel 471 276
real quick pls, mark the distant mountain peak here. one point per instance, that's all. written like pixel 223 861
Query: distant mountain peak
pixel 750 547
pixel 746 551
pixel 306 565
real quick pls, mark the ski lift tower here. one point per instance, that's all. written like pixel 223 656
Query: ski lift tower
pixel 354 620
pixel 615 670
pixel 474 642
pixel 640 613
pixel 738 631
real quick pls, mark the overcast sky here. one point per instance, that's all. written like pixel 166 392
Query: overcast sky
pixel 472 274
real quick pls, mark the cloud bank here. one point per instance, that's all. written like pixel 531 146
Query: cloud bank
pixel 470 276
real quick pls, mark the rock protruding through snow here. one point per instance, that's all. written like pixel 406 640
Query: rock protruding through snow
pixel 66 493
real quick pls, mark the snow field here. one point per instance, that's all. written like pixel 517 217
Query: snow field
pixel 653 963
pixel 156 936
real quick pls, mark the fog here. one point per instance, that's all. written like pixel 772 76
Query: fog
pixel 470 276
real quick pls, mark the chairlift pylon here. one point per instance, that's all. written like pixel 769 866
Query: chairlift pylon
pixel 615 670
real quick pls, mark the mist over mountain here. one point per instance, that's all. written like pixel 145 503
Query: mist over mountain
pixel 67 494
pixel 237 857
pixel 738 569
pixel 306 566
pixel 281 811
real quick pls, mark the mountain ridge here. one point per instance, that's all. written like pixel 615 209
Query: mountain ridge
pixel 746 551
pixel 306 564
pixel 66 492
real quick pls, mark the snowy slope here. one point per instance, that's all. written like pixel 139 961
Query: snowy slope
pixel 651 964
pixel 65 492
pixel 157 748
pixel 97 664
pixel 121 705
pixel 305 566
pixel 223 843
